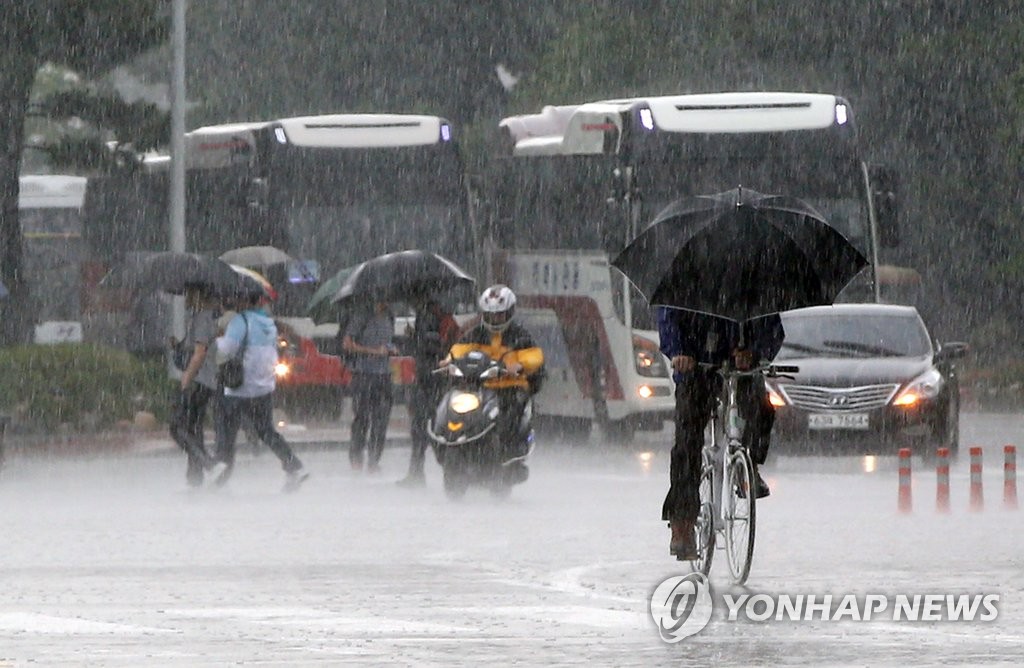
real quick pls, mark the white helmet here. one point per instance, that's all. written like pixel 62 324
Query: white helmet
pixel 497 305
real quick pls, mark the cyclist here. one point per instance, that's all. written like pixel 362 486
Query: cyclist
pixel 689 338
pixel 504 339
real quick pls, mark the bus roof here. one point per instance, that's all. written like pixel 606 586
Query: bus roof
pixel 38 191
pixel 585 128
pixel 363 130
pixel 215 146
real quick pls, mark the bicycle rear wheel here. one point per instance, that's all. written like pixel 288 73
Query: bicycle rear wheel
pixel 739 514
pixel 704 527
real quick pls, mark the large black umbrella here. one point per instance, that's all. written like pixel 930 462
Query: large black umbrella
pixel 740 254
pixel 173 272
pixel 399 276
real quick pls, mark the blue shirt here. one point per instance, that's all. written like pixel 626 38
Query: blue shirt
pixel 260 352
pixel 372 331
pixel 711 340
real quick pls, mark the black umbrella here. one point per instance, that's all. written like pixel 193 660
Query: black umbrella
pixel 173 272
pixel 740 254
pixel 399 276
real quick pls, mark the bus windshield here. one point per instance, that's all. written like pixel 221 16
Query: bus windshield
pixel 816 166
pixel 556 203
pixel 52 256
pixel 341 207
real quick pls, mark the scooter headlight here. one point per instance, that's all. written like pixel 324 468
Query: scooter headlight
pixel 464 403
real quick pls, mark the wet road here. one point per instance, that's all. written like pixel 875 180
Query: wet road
pixel 114 561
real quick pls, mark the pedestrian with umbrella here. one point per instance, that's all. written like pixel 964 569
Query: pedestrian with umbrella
pixel 369 339
pixel 371 286
pixel 198 383
pixel 251 338
pixel 431 337
pixel 721 268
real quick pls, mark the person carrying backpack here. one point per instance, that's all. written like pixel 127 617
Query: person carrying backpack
pixel 251 336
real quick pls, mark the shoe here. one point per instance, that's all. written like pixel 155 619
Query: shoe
pixel 219 472
pixel 760 486
pixel 356 465
pixel 373 468
pixel 412 481
pixel 683 545
pixel 295 479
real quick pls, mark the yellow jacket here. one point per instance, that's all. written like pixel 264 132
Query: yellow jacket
pixel 514 344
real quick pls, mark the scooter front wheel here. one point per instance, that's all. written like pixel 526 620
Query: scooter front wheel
pixel 456 475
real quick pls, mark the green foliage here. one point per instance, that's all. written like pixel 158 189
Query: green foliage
pixel 86 386
pixel 133 128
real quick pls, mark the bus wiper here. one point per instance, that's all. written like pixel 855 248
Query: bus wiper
pixel 866 348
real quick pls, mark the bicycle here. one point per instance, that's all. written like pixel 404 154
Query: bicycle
pixel 727 495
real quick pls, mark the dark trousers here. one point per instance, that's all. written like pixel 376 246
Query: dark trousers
pixel 187 428
pixel 695 399
pixel 260 412
pixel 513 402
pixel 426 395
pixel 371 409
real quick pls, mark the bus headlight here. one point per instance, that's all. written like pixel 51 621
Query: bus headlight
pixel 464 403
pixel 647 358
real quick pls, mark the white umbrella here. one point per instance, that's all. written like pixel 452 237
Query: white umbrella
pixel 256 256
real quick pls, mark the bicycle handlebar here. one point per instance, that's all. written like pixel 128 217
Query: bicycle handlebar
pixel 769 370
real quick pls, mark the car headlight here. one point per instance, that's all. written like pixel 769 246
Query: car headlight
pixel 282 369
pixel 926 386
pixel 647 358
pixel 464 403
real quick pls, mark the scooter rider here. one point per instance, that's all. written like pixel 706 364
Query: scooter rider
pixel 503 339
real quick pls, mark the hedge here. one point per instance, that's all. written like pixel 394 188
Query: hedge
pixel 86 386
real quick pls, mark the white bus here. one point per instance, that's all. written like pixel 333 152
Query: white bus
pixel 49 209
pixel 330 190
pixel 581 180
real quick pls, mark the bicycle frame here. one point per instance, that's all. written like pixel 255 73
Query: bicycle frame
pixel 726 486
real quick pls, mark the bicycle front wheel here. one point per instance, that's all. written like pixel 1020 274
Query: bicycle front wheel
pixel 739 514
pixel 705 524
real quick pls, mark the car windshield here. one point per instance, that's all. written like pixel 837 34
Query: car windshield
pixel 853 335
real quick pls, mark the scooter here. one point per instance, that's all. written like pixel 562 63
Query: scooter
pixel 467 434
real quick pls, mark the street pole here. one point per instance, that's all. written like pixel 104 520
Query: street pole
pixel 177 184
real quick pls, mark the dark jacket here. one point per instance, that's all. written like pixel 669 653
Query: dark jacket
pixel 711 340
pixel 434 333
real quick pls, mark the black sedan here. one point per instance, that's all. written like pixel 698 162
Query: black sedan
pixel 871 379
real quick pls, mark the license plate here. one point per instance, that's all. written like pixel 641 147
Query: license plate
pixel 837 421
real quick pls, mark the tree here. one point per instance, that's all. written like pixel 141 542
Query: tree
pixel 89 36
